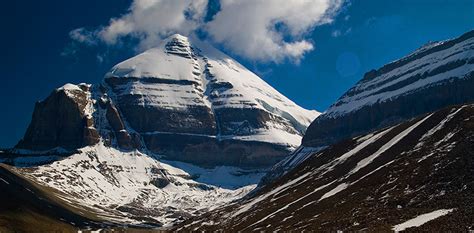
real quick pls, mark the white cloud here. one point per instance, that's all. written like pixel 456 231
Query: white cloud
pixel 270 30
pixel 260 30
pixel 151 20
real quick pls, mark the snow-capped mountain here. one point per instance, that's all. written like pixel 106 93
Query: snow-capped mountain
pixel 170 133
pixel 435 76
pixel 184 100
pixel 415 174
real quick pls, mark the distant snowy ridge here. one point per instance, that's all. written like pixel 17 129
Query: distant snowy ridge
pixel 435 76
pixel 458 61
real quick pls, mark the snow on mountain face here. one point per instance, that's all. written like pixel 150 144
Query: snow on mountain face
pixel 415 174
pixel 183 75
pixel 136 189
pixel 188 88
pixel 435 76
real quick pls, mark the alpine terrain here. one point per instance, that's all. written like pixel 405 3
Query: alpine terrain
pixel 175 131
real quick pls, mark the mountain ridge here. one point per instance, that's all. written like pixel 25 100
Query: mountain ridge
pixel 420 82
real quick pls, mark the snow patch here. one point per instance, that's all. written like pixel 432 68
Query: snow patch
pixel 421 219
pixel 333 192
pixel 69 87
pixel 366 161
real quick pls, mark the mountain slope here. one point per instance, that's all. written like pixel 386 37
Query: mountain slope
pixel 184 100
pixel 377 182
pixel 435 76
pixel 132 188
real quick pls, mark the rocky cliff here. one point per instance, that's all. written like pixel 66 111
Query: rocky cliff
pixel 63 120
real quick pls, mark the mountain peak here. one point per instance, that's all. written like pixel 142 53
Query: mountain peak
pixel 177 36
pixel 209 94
pixel 178 45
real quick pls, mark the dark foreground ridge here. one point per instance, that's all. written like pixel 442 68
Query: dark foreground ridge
pixel 27 208
pixel 373 182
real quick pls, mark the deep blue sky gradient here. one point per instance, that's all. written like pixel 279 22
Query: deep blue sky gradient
pixel 37 54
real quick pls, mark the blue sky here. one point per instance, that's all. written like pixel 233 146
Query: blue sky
pixel 38 54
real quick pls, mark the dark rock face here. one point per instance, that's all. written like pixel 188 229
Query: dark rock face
pixel 192 134
pixel 369 183
pixel 195 134
pixel 144 117
pixel 328 130
pixel 209 151
pixel 433 77
pixel 243 121
pixel 60 121
pixel 124 139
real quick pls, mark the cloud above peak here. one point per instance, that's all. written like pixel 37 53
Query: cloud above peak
pixel 151 20
pixel 270 30
pixel 258 30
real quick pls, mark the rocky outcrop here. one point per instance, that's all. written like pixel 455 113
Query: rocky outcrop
pixel 61 120
pixel 124 139
pixel 435 76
